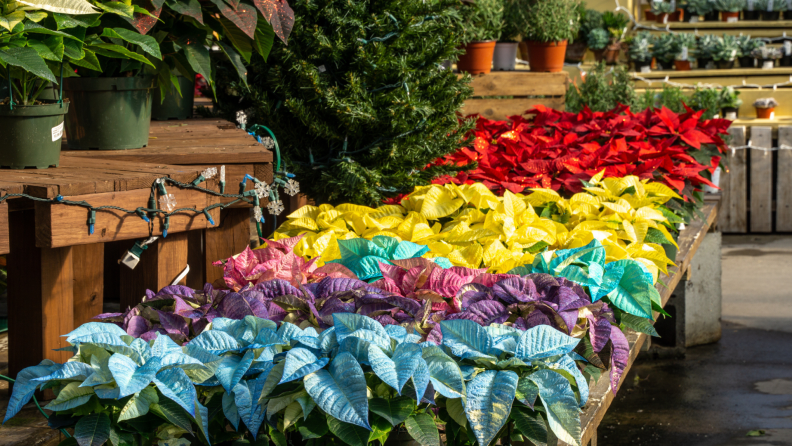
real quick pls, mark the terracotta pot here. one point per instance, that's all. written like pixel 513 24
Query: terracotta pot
pixel 477 58
pixel 764 113
pixel 547 56
pixel 726 15
pixel 662 18
pixel 612 54
pixel 599 55
pixel 682 65
pixel 649 15
pixel 576 51
pixel 676 16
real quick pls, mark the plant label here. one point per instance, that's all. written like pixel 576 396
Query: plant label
pixel 646 69
pixel 665 19
pixel 768 65
pixel 732 19
pixel 769 5
pixel 684 55
pixel 789 4
pixel 788 48
pixel 731 116
pixel 772 115
pixel 57 132
pixel 694 19
pixel 750 6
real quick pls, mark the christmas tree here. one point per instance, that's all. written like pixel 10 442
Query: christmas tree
pixel 359 100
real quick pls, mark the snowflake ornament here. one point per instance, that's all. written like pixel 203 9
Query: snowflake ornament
pixel 262 190
pixel 292 188
pixel 241 118
pixel 268 143
pixel 275 207
pixel 257 214
pixel 167 202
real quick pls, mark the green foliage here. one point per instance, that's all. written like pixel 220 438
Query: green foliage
pixel 483 20
pixel 730 98
pixel 730 5
pixel 514 18
pixel 766 5
pixel 616 24
pixel 662 7
pixel 663 47
pixel 357 100
pixel 598 39
pixel 726 49
pixel 601 90
pixel 766 53
pixel 590 19
pixel 700 7
pixel 552 21
pixel 707 99
pixel 669 97
pixel 684 46
pixel 748 45
pixel 640 47
pixel 708 45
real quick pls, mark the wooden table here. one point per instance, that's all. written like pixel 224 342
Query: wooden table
pixel 600 394
pixel 58 273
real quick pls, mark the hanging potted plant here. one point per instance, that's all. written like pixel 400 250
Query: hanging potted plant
pixel 730 9
pixel 549 26
pixel 31 126
pixel 663 51
pixel 730 103
pixel 726 52
pixel 616 24
pixel 765 108
pixel 505 55
pixel 770 9
pixel 684 51
pixel 664 11
pixel 747 47
pixel 640 52
pixel 590 20
pixel 483 20
pixel 696 9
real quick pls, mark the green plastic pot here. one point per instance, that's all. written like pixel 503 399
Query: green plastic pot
pixel 174 106
pixel 31 135
pixel 108 113
pixel 671 250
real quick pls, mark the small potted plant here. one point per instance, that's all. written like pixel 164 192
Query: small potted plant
pixel 640 52
pixel 597 41
pixel 663 51
pixel 730 9
pixel 766 56
pixel 730 103
pixel 616 24
pixel 483 20
pixel 505 55
pixel 751 12
pixel 590 20
pixel 770 9
pixel 664 11
pixel 747 47
pixel 726 52
pixel 550 25
pixel 696 9
pixel 684 49
pixel 707 99
pixel 765 108
pixel 707 45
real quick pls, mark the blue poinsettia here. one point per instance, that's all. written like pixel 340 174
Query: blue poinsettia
pixel 363 256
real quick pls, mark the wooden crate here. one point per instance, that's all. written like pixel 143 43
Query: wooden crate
pixel 498 95
pixel 757 189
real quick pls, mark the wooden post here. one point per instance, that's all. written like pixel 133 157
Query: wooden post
pixel 88 263
pixel 784 181
pixel 761 179
pixel 734 186
pixel 159 265
pixel 231 238
pixel 40 297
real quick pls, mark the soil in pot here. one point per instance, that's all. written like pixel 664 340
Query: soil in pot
pixel 477 58
pixel 108 113
pixel 725 64
pixel 505 56
pixel 31 134
pixel 747 62
pixel 765 113
pixel 751 15
pixel 174 106
pixel 771 16
pixel 682 65
pixel 547 56
pixel 711 16
pixel 576 52
pixel 612 54
pixel 730 17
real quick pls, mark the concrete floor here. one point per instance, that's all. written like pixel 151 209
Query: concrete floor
pixel 719 393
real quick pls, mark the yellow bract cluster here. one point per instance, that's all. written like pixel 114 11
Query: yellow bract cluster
pixel 474 228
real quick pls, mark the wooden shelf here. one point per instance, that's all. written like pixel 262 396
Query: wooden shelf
pixel 731 72
pixel 754 28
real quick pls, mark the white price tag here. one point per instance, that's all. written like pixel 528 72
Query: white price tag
pixel 769 5
pixel 733 54
pixel 665 19
pixel 750 6
pixel 772 115
pixel 768 65
pixel 57 132
pixel 732 19
pixel 321 68
pixel 684 55
pixel 788 48
pixel 731 116
pixel 646 69
pixel 789 5
pixel 694 19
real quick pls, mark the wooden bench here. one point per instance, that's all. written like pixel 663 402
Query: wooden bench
pixel 501 94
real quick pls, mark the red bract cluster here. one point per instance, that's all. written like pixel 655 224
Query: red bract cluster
pixel 556 150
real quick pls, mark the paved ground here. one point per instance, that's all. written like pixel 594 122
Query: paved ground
pixel 721 392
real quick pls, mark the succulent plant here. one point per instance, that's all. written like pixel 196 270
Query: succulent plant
pixel 770 5
pixel 662 7
pixel 640 47
pixel 707 46
pixel 727 49
pixel 730 5
pixel 765 103
pixel 663 47
pixel 748 45
pixel 766 52
pixel 590 20
pixel 684 46
pixel 699 7
pixel 598 39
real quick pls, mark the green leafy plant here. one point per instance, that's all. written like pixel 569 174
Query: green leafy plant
pixel 598 39
pixel 730 98
pixel 729 5
pixel 662 7
pixel 552 21
pixel 748 45
pixel 684 46
pixel 590 19
pixel 672 98
pixel 616 24
pixel 726 49
pixel 700 7
pixel 707 99
pixel 663 47
pixel 601 90
pixel 514 12
pixel 640 47
pixel 708 45
pixel 483 20
pixel 766 53
pixel 767 5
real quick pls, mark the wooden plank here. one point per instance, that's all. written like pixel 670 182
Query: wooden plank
pixel 761 180
pixel 234 173
pixel 210 141
pixel 717 73
pixel 252 153
pixel 734 217
pixel 159 265
pixel 516 83
pixel 784 181
pixel 502 108
pixel 231 238
pixel 62 225
pixel 88 291
pixel 40 299
pixel 196 278
pixel 5 246
pixel 600 394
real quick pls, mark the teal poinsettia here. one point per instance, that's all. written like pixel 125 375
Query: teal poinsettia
pixel 363 256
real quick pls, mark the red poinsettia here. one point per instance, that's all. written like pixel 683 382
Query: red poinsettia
pixel 552 149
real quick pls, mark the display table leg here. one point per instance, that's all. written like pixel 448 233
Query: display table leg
pixel 231 238
pixel 159 265
pixel 88 261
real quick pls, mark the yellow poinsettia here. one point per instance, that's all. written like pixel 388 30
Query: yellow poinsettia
pixel 474 228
